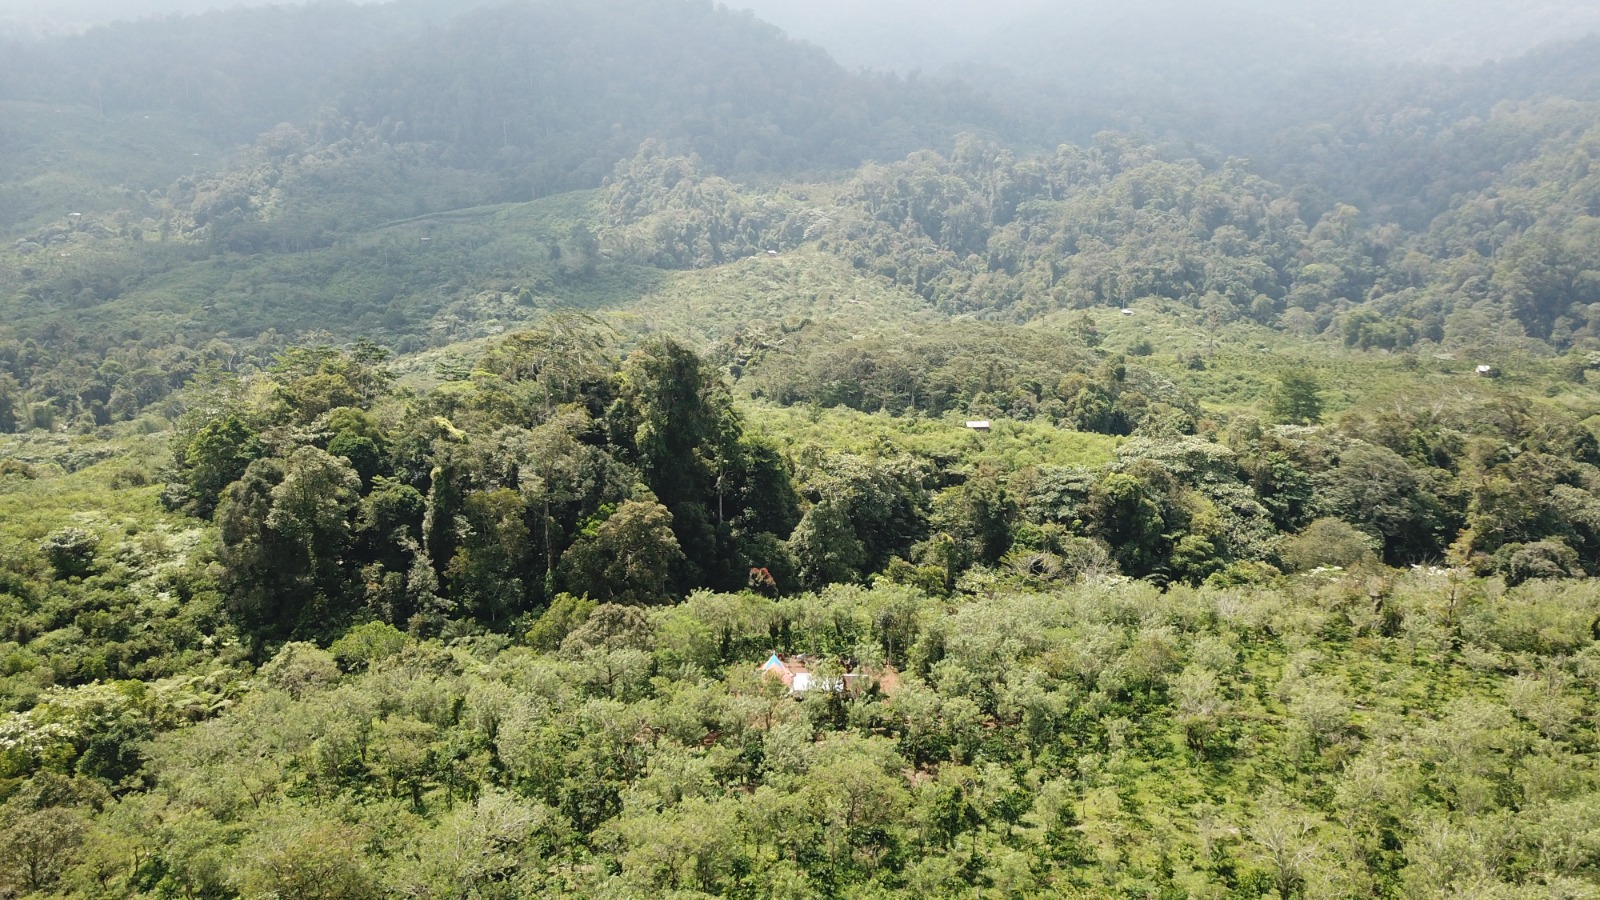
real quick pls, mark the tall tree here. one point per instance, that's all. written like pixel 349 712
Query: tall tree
pixel 1296 400
pixel 628 558
pixel 678 413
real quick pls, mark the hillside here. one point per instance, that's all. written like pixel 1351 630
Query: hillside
pixel 419 422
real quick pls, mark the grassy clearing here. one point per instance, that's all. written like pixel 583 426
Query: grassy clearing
pixel 104 485
pixel 1015 444
pixel 703 307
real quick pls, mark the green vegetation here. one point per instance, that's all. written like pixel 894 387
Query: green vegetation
pixel 410 454
pixel 1053 724
pixel 1369 733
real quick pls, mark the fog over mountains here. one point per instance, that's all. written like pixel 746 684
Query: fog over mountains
pixel 1164 67
pixel 907 34
pixel 932 34
pixel 52 17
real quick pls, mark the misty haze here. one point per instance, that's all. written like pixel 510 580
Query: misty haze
pixel 658 448
pixel 941 32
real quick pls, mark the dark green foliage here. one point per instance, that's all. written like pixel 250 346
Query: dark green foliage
pixel 1296 402
pixel 881 503
pixel 677 419
pixel 825 546
pixel 495 543
pixel 362 453
pixel 980 516
pixel 391 516
pixel 673 411
pixel 1539 559
pixel 477 502
pixel 71 552
pixel 1127 518
pixel 1373 488
pixel 10 399
pixel 285 529
pixel 216 457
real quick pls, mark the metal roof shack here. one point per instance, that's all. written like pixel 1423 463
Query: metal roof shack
pixel 979 424
pixel 798 675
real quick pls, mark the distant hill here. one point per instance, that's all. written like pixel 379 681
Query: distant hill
pixel 256 176
pixel 550 93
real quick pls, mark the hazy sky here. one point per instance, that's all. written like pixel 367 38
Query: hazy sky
pixel 53 16
pixel 933 33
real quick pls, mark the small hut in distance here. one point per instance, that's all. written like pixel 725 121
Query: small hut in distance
pixel 798 675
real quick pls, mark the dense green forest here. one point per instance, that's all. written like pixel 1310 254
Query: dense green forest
pixel 421 421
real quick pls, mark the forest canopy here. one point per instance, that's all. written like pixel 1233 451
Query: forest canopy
pixel 617 449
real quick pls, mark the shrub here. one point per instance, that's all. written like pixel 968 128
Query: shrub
pixel 1327 542
pixel 71 552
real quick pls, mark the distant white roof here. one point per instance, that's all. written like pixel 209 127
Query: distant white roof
pixel 982 423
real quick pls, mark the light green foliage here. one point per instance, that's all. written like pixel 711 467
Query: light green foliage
pixel 623 726
pixel 497 846
pixel 300 668
pixel 43 836
pixel 301 853
pixel 1326 542
pixel 145 607
pixel 1074 737
pixel 365 645
pixel 1015 444
pixel 564 614
pixel 628 558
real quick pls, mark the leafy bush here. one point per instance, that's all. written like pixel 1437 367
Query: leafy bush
pixel 71 552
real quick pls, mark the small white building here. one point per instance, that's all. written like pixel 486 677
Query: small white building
pixel 795 673
pixel 979 425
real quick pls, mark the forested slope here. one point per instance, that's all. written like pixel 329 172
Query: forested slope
pixel 494 567
pixel 410 454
